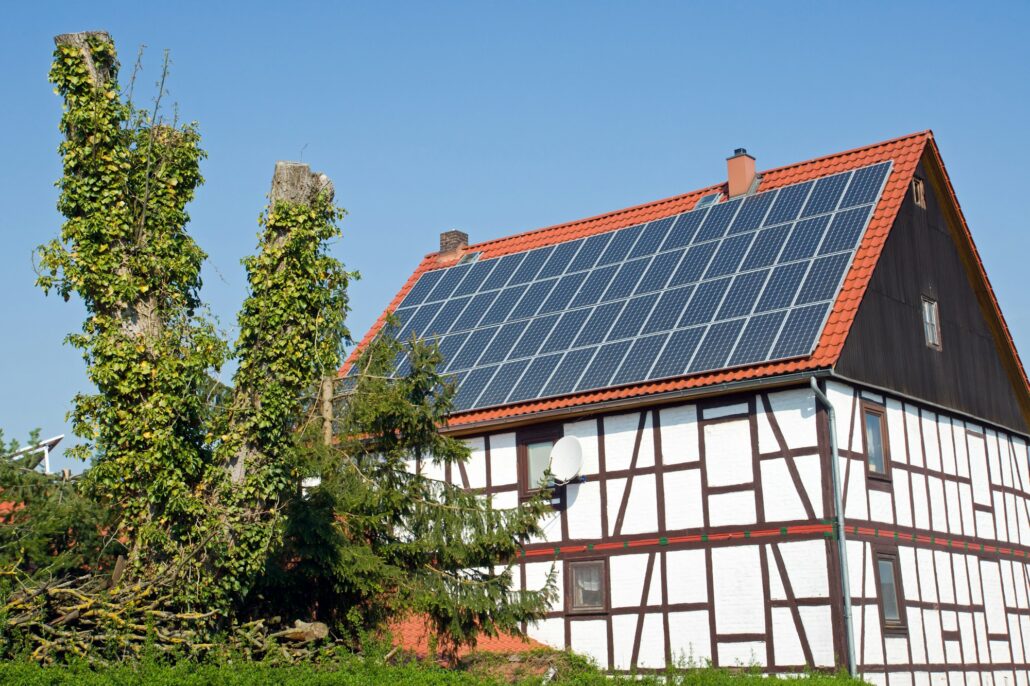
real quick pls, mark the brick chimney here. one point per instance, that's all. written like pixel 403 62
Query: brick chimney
pixel 451 241
pixel 740 170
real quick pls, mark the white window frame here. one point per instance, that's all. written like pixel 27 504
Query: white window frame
pixel 931 317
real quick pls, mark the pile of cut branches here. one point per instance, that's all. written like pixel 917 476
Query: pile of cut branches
pixel 95 618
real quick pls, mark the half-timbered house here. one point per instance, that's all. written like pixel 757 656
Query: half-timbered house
pixel 803 420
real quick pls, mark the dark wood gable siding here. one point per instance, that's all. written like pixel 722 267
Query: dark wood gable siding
pixel 886 346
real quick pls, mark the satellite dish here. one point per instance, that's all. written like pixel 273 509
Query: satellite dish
pixel 566 459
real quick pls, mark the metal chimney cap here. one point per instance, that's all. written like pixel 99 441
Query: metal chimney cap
pixel 740 151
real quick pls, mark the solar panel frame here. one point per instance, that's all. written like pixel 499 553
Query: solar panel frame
pixel 725 255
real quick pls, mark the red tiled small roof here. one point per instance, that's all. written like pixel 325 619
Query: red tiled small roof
pixel 905 152
pixel 412 634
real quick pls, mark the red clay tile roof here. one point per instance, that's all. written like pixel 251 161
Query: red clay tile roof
pixel 905 152
pixel 412 634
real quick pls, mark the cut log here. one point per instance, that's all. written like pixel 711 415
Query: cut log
pixel 305 632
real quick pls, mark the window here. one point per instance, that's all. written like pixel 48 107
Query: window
pixel 534 454
pixel 875 435
pixel 919 192
pixel 587 588
pixel 538 460
pixel 891 597
pixel 931 324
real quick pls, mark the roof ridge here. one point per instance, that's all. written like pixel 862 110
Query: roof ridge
pixel 684 196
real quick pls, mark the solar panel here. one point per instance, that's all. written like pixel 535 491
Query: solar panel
pixel 736 282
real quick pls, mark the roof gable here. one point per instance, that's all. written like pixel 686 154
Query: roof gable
pixel 902 155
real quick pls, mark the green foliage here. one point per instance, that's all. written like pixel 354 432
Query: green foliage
pixel 291 336
pixel 47 527
pixel 376 539
pixel 357 672
pixel 205 479
pixel 124 250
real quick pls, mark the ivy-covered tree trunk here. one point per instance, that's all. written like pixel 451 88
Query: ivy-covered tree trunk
pixel 125 251
pixel 291 336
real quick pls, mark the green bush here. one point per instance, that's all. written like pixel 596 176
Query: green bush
pixel 353 672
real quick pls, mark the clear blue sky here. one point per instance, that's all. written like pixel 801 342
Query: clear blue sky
pixel 502 117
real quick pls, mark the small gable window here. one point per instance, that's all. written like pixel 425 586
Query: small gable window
pixel 931 323
pixel 587 586
pixel 875 435
pixel 890 592
pixel 919 192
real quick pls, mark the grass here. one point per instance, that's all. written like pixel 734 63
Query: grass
pixel 477 670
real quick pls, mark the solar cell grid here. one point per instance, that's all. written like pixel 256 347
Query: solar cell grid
pixel 652 237
pixel 682 233
pixel 718 220
pixel 501 384
pixel 729 255
pixel 448 313
pixel 716 346
pixel 472 385
pixel 633 316
pixel 625 280
pixel 536 375
pixel 594 286
pixel 506 266
pixel 533 299
pixel 601 320
pixel 753 212
pixel 568 371
pixel 620 246
pixel 502 305
pixel 601 368
pixel 565 332
pixel 801 327
pixel 805 237
pixel 742 294
pixel 757 337
pixel 472 314
pixel 475 278
pixel 419 322
pixel 534 336
pixel 788 203
pixel 534 260
pixel 470 353
pixel 782 286
pixel 563 293
pixel 591 250
pixel 706 300
pixel 659 271
pixel 693 264
pixel 639 359
pixel 668 309
pixel 678 351
pixel 825 195
pixel 847 226
pixel 686 293
pixel 448 282
pixel 822 279
pixel 865 186
pixel 422 288
pixel 560 259
pixel 502 343
pixel 766 247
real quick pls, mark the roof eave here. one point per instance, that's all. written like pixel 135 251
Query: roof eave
pixel 635 402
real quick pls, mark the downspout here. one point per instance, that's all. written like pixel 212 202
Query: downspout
pixel 842 552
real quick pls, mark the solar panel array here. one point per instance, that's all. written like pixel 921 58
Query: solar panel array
pixel 739 282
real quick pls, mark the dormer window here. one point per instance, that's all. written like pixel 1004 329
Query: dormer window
pixel 931 323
